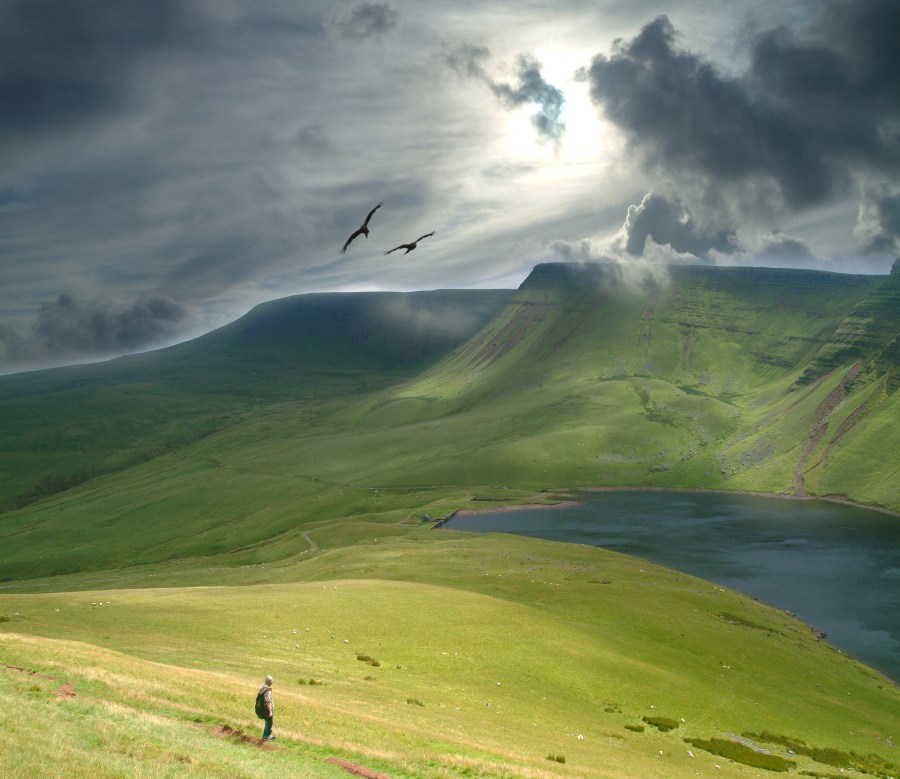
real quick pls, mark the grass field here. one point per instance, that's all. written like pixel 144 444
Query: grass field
pixel 272 477
pixel 492 653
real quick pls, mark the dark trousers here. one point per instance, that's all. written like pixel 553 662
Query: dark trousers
pixel 267 730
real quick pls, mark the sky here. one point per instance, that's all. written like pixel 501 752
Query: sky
pixel 167 165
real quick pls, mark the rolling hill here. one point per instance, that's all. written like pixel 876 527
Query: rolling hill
pixel 61 427
pixel 252 500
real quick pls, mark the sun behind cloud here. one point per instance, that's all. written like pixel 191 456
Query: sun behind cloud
pixel 582 136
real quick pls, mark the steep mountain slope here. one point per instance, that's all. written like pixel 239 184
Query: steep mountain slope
pixel 721 331
pixel 868 334
pixel 64 426
pixel 688 377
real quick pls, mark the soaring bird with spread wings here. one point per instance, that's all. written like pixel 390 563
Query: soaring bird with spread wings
pixel 410 246
pixel 364 230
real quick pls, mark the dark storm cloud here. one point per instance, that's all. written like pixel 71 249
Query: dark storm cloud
pixel 667 221
pixel 783 250
pixel 806 116
pixel 65 63
pixel 531 88
pixel 366 20
pixel 885 237
pixel 96 327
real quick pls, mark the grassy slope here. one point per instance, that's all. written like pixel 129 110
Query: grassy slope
pixel 62 427
pixel 685 381
pixel 582 642
pixel 629 381
pixel 613 382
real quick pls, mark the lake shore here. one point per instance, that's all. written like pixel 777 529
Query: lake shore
pixel 569 503
pixel 789 555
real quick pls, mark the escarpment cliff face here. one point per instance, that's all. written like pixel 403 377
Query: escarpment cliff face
pixel 720 330
pixel 763 379
pixel 868 334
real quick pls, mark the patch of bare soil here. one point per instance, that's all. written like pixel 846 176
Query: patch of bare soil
pixel 357 770
pixel 63 693
pixel 226 731
pixel 514 331
pixel 820 428
pixel 30 673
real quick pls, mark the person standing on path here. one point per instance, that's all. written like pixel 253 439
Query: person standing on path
pixel 266 691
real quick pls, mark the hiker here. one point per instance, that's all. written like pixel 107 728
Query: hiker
pixel 266 691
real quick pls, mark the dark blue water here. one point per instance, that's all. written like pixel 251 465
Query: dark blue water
pixel 836 567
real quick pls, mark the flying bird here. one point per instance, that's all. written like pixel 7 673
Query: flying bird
pixel 364 230
pixel 410 246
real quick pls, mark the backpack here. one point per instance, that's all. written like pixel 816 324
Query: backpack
pixel 262 710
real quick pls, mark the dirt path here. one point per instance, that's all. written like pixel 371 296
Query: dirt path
pixel 312 544
pixel 356 770
pixel 236 734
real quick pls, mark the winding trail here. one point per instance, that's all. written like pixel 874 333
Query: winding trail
pixel 313 546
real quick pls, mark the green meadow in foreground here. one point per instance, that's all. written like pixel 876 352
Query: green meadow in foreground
pixel 181 523
pixel 491 653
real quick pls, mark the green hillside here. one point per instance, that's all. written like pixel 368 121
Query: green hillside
pixel 597 376
pixel 431 656
pixel 271 477
pixel 62 427
pixel 589 376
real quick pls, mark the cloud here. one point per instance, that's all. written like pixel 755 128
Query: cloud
pixel 783 250
pixel 667 221
pixel 219 153
pixel 468 59
pixel 811 115
pixel 367 20
pixel 313 140
pixel 581 252
pixel 99 327
pixel 12 347
pixel 65 64
pixel 878 223
pixel 531 89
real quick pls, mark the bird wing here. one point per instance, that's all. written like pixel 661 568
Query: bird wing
pixel 424 236
pixel 401 246
pixel 372 212
pixel 359 232
pixel 355 235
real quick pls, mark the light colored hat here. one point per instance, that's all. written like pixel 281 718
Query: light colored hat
pixel 269 680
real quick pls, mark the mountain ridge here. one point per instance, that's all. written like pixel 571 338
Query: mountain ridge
pixel 678 347
pixel 101 417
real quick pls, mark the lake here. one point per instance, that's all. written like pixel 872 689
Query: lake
pixel 837 567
